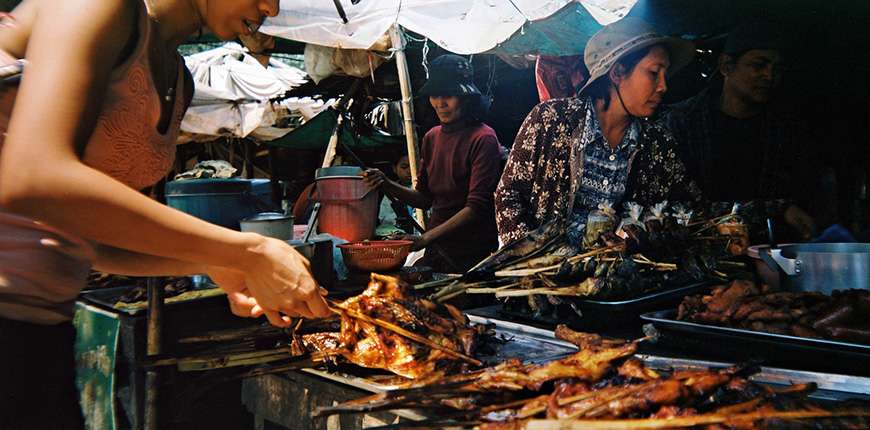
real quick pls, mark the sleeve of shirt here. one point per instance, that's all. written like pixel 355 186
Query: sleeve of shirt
pixel 513 211
pixel 485 166
pixel 681 187
pixel 422 175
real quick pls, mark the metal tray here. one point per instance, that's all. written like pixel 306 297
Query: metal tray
pixel 532 345
pixel 593 314
pixel 831 386
pixel 836 387
pixel 742 344
pixel 107 298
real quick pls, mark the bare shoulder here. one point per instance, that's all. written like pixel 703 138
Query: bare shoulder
pixel 93 28
pixel 16 28
pixel 72 48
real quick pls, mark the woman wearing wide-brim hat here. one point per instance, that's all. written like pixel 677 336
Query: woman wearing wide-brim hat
pixel 572 154
pixel 459 170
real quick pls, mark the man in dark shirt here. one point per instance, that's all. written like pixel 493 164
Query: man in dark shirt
pixel 735 174
pixel 741 146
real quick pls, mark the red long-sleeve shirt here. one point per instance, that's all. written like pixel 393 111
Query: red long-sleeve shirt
pixel 460 167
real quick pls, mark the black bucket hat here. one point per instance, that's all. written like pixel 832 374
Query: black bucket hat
pixel 755 34
pixel 450 75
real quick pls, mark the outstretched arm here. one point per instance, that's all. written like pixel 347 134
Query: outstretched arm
pixel 375 178
pixel 41 175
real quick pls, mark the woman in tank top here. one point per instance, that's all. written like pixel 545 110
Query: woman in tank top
pixel 95 119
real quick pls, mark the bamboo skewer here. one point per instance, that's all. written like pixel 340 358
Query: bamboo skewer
pixel 339 309
pixel 544 290
pixel 452 295
pixel 572 259
pixel 527 413
pixel 433 284
pixel 491 290
pixel 609 398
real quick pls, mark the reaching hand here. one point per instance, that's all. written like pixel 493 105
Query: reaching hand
pixel 281 282
pixel 233 283
pixel 278 284
pixel 420 242
pixel 373 178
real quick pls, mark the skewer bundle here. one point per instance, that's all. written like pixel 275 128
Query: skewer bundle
pixel 637 257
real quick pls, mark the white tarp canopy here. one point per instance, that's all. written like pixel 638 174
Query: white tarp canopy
pixel 232 93
pixel 460 26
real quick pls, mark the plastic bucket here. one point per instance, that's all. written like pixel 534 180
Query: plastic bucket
pixel 220 201
pixel 348 208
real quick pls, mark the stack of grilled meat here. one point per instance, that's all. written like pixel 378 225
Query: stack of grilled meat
pixel 845 315
pixel 385 327
pixel 604 386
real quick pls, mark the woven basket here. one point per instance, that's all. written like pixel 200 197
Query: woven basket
pixel 375 256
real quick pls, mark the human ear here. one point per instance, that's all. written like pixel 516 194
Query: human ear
pixel 726 64
pixel 616 74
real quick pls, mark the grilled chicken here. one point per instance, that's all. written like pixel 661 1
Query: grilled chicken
pixel 602 382
pixel 387 299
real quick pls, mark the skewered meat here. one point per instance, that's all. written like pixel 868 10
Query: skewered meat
pixel 370 345
pixel 588 365
pixel 584 340
pixel 635 369
pixel 508 397
pixel 611 265
pixel 843 315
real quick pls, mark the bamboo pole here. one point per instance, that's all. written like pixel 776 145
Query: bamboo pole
pixel 329 156
pixel 398 42
pixel 154 346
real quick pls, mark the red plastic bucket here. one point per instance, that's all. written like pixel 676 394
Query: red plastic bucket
pixel 348 208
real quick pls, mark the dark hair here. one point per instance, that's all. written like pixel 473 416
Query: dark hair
pixel 475 107
pixel 397 156
pixel 600 89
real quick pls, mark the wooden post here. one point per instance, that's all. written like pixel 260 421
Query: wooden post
pixel 407 109
pixel 154 346
pixel 329 157
pixel 333 143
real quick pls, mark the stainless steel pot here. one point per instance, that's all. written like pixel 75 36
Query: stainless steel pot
pixel 821 267
pixel 304 248
pixel 271 224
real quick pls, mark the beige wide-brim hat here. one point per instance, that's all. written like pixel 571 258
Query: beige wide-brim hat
pixel 625 36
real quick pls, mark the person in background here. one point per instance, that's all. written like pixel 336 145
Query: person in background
pixel 738 144
pixel 573 154
pixel 459 170
pixel 394 217
pixel 115 93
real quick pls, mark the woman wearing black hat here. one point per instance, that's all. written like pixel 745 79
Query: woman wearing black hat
pixel 459 169
pixel 572 156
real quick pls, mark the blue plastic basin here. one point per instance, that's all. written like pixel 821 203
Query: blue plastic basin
pixel 220 201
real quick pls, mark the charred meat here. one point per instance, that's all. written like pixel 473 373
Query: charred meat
pixel 845 315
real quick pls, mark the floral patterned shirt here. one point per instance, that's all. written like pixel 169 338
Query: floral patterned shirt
pixel 544 170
